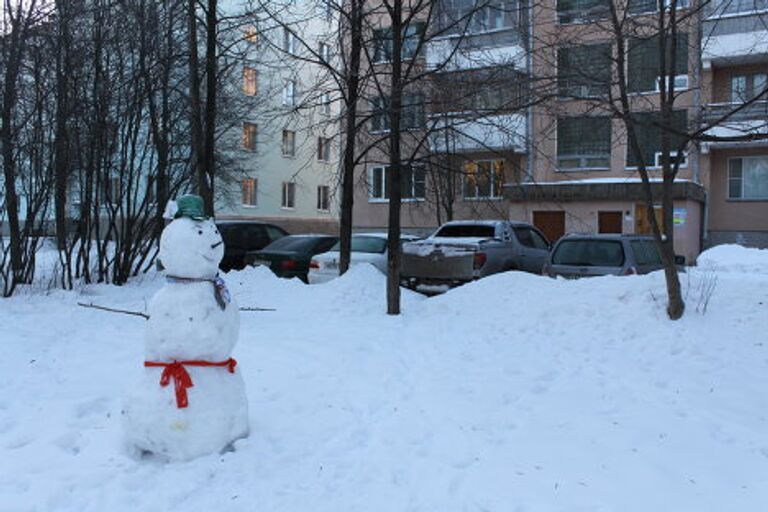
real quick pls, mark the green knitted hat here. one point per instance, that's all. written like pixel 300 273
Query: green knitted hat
pixel 190 205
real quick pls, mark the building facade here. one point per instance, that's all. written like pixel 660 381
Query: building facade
pixel 526 123
pixel 284 143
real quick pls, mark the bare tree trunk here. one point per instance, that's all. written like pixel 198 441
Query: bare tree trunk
pixel 350 134
pixel 211 74
pixel 195 105
pixel 61 151
pixel 394 176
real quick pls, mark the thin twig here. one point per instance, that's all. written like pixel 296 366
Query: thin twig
pixel 114 310
pixel 146 316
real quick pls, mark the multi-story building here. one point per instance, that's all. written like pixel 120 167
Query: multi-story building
pixel 525 119
pixel 734 53
pixel 285 142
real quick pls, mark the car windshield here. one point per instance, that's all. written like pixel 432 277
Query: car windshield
pixel 369 244
pixel 293 243
pixel 467 231
pixel 589 253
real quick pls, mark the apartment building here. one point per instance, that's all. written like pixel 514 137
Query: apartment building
pixel 734 53
pixel 285 144
pixel 524 122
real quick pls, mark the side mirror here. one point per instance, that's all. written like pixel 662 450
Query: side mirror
pixel 679 259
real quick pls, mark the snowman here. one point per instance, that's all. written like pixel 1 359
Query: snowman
pixel 190 400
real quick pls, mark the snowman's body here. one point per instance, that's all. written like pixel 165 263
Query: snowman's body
pixel 187 324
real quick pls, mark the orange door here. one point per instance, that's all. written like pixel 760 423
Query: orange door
pixel 552 224
pixel 609 222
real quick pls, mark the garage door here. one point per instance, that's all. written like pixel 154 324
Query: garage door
pixel 552 224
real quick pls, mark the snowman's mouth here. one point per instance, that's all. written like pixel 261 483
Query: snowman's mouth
pixel 207 258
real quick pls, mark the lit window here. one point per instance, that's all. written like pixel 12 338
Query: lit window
pixel 250 81
pixel 251 35
pixel 250 131
pixel 483 179
pixel 249 188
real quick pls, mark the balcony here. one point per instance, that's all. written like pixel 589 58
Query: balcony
pixel 751 120
pixel 459 133
pixel 735 32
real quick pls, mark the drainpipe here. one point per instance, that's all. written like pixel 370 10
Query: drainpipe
pixel 529 110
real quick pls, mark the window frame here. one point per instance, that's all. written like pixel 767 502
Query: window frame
pixel 288 199
pixel 288 136
pixel 289 41
pixel 289 92
pixel 583 157
pixel 729 179
pixel 492 185
pixel 411 197
pixel 250 81
pixel 251 191
pixel 323 198
pixel 323 149
pixel 250 137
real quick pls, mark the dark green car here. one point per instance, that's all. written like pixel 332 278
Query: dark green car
pixel 290 256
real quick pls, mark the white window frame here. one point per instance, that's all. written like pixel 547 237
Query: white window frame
pixel 325 103
pixel 672 156
pixel 384 170
pixel 728 179
pixel 289 93
pixel 680 82
pixel 323 198
pixel 323 149
pixel 325 51
pixel 289 41
pixel 288 135
pixel 288 201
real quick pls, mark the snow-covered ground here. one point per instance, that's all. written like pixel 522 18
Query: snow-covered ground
pixel 514 393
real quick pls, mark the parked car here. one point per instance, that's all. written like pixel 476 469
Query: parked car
pixel 600 255
pixel 241 237
pixel 366 248
pixel 290 255
pixel 461 251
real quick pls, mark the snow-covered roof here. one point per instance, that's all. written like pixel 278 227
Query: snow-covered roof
pixel 589 181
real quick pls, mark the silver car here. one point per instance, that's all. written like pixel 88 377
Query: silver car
pixel 600 255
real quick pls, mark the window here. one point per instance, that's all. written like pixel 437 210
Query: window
pixel 113 190
pixel 589 253
pixel 745 88
pixel 584 144
pixel 649 138
pixel 649 6
pixel 575 11
pixel 748 178
pixel 646 252
pixel 323 149
pixel 289 195
pixel 289 41
pixel 250 81
pixel 472 17
pixel 411 114
pixel 325 104
pixel 250 131
pixel 644 68
pixel 251 35
pixel 382 42
pixel 323 199
pixel 289 143
pixel 726 7
pixel 249 188
pixel 325 52
pixel 531 238
pixel 289 93
pixel 483 179
pixel 584 71
pixel 380 114
pixel 412 180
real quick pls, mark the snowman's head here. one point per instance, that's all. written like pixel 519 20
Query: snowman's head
pixel 191 248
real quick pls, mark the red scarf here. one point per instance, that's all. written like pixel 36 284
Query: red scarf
pixel 181 378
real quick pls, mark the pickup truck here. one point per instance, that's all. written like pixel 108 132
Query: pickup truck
pixel 462 251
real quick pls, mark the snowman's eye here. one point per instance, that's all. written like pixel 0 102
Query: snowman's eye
pixel 200 232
